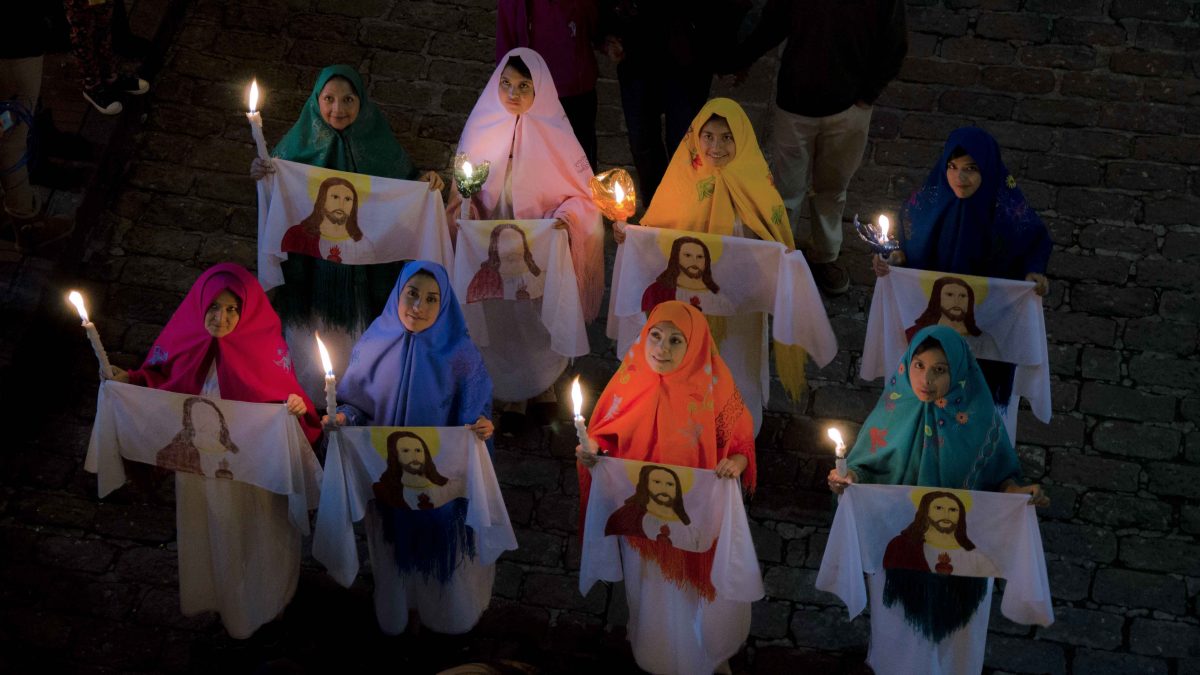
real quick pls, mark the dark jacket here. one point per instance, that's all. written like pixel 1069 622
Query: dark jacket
pixel 838 51
pixel 666 35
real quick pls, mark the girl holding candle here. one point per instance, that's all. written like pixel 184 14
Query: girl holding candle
pixel 971 218
pixel 238 554
pixel 416 366
pixel 674 401
pixel 537 170
pixel 339 128
pixel 935 425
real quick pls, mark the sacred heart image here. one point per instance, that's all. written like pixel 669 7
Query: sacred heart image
pixel 656 509
pixel 937 540
pixel 952 302
pixel 412 481
pixel 202 430
pixel 509 272
pixel 331 231
pixel 688 277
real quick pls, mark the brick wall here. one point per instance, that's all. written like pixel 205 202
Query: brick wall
pixel 1095 105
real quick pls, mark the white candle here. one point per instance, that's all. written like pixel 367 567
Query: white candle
pixel 75 298
pixel 330 384
pixel 839 450
pixel 580 427
pixel 884 226
pixel 468 173
pixel 256 124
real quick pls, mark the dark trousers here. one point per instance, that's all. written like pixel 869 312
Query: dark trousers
pixel 581 113
pixel 650 96
pixel 91 40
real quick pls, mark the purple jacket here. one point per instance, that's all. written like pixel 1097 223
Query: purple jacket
pixel 562 31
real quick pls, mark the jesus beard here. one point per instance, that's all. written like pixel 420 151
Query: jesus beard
pixel 336 216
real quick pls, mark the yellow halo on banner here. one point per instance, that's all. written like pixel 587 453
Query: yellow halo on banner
pixel 361 183
pixel 379 437
pixel 977 284
pixel 918 493
pixel 666 239
pixel 634 469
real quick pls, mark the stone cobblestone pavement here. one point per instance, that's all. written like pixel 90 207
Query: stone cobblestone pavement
pixel 1097 104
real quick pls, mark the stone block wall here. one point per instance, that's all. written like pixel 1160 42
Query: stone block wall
pixel 1097 106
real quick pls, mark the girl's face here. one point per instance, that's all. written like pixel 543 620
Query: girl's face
pixel 666 346
pixel 929 374
pixel 716 142
pixel 420 302
pixel 962 173
pixel 222 315
pixel 515 91
pixel 339 103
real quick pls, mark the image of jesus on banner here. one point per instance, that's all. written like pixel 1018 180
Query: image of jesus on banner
pixel 688 278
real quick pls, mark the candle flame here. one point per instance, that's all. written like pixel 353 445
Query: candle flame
pixel 836 437
pixel 467 169
pixel 76 298
pixel 884 225
pixel 577 397
pixel 618 192
pixel 253 95
pixel 325 362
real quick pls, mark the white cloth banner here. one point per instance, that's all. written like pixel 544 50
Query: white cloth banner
pixel 736 278
pixel 657 527
pixel 517 284
pixel 346 217
pixel 259 444
pixel 869 526
pixel 358 470
pixel 1003 323
pixel 881 527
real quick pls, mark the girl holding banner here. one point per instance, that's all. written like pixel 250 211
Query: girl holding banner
pixel 339 128
pixel 238 553
pixel 673 401
pixel 935 425
pixel 537 171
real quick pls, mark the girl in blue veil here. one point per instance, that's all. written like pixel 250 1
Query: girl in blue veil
pixel 971 218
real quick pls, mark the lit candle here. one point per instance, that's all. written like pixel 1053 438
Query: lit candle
pixel 839 450
pixel 256 127
pixel 613 193
pixel 884 225
pixel 93 335
pixel 330 384
pixel 580 427
pixel 469 179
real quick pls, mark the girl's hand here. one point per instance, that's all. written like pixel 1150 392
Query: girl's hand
pixel 261 168
pixel 295 405
pixel 482 427
pixel 118 374
pixel 586 457
pixel 340 417
pixel 1036 496
pixel 1042 286
pixel 880 266
pixel 731 467
pixel 619 231
pixel 435 181
pixel 560 224
pixel 838 484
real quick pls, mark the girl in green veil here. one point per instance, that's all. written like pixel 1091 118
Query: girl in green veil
pixel 339 128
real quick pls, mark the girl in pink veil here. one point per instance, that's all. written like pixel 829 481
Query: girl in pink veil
pixel 538 169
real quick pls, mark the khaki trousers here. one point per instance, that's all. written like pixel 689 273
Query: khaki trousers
pixel 813 160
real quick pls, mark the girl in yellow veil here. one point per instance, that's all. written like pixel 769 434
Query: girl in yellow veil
pixel 718 181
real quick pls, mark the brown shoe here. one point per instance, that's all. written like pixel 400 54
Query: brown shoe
pixel 831 277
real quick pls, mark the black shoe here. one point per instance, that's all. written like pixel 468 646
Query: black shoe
pixel 831 277
pixel 103 99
